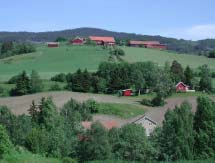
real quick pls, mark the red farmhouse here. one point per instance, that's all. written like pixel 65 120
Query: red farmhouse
pixel 148 44
pixel 77 41
pixel 52 44
pixel 127 92
pixel 181 87
pixel 103 40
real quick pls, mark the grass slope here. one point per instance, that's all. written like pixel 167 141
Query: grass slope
pixel 67 58
pixel 160 57
pixel 119 161
pixel 121 110
pixel 49 61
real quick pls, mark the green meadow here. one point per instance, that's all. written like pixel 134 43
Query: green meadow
pixel 67 58
pixel 160 57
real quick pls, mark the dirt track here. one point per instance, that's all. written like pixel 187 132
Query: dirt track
pixel 20 105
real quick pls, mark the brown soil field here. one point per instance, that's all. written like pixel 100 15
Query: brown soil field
pixel 20 105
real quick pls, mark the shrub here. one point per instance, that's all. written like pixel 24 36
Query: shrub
pixel 59 77
pixel 55 87
pixel 146 102
pixel 68 160
pixel 158 101
pixel 1 90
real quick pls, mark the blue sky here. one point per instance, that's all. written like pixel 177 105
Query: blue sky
pixel 188 19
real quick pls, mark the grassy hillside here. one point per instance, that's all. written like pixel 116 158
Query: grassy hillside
pixel 160 57
pixel 49 61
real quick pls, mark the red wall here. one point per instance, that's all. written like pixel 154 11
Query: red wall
pixel 127 93
pixel 181 88
pixel 77 41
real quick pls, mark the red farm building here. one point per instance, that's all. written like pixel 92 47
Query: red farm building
pixel 127 92
pixel 181 87
pixel 53 44
pixel 103 40
pixel 148 44
pixel 77 41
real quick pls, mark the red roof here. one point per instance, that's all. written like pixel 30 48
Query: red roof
pixel 107 124
pixel 144 42
pixel 105 39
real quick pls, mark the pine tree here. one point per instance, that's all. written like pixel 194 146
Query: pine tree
pixel 204 127
pixel 5 144
pixel 35 82
pixel 176 139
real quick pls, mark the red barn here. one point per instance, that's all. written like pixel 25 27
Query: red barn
pixel 53 44
pixel 148 44
pixel 103 40
pixel 77 41
pixel 127 92
pixel 181 87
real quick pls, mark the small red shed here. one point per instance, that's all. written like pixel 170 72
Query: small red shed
pixel 53 44
pixel 77 41
pixel 181 87
pixel 127 92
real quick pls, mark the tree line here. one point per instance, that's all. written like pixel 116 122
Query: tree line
pixel 10 48
pixel 59 133
pixel 141 77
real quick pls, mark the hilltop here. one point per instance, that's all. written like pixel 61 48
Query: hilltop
pixel 181 46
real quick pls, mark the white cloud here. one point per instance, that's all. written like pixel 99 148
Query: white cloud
pixel 201 31
pixel 196 32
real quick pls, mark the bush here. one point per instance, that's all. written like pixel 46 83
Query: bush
pixel 1 90
pixel 118 52
pixel 69 160
pixel 59 77
pixel 211 54
pixel 55 87
pixel 146 102
pixel 158 101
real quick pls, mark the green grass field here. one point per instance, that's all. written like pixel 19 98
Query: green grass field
pixel 50 61
pixel 160 57
pixel 119 161
pixel 121 110
pixel 27 157
pixel 67 58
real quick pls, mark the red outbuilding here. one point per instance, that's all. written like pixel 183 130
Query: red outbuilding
pixel 127 92
pixel 181 87
pixel 148 44
pixel 103 40
pixel 77 41
pixel 53 44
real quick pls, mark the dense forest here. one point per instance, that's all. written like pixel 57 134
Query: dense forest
pixel 181 46
pixel 53 133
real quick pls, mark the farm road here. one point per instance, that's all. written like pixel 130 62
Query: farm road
pixel 21 104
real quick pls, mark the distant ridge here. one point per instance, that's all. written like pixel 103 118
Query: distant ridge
pixel 181 46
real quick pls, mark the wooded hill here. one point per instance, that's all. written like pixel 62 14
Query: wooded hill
pixel 181 46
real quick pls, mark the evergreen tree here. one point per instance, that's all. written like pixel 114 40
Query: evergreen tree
pixel 188 74
pixel 96 145
pixel 204 127
pixel 35 82
pixel 176 139
pixel 177 72
pixel 5 144
pixel 205 83
pixel 22 85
